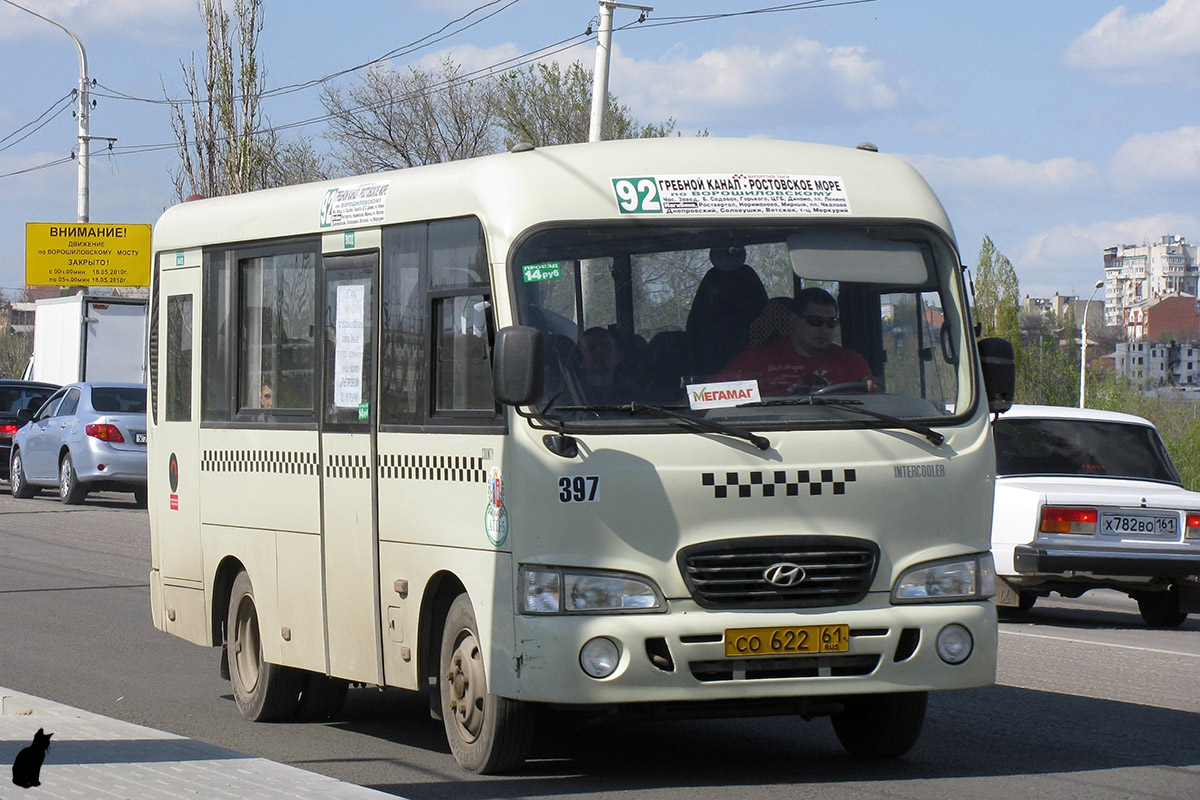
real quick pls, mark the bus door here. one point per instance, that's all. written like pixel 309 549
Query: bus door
pixel 350 551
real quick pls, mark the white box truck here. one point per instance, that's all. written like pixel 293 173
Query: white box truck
pixel 89 338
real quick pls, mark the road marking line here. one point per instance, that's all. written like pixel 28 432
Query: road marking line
pixel 1101 644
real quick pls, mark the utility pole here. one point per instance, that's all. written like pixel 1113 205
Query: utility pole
pixel 84 116
pixel 600 77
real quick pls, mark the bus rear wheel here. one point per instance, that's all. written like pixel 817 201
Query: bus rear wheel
pixel 880 725
pixel 262 691
pixel 487 734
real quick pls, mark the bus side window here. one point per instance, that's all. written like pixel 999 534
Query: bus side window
pixel 463 365
pixel 179 358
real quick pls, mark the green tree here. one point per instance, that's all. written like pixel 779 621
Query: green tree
pixel 545 104
pixel 997 294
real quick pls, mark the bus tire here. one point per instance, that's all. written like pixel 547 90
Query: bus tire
pixel 70 490
pixel 261 691
pixel 487 734
pixel 18 484
pixel 880 725
pixel 321 697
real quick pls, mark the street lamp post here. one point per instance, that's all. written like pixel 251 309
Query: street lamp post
pixel 600 77
pixel 84 115
pixel 1083 348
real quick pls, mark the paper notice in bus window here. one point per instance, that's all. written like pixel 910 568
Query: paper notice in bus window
pixel 348 352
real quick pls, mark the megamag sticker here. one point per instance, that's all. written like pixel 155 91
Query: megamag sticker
pixel 722 395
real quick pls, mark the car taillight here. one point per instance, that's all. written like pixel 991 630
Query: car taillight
pixel 1191 526
pixel 1069 520
pixel 105 433
pixel 8 430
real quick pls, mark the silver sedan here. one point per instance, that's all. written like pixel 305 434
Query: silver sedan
pixel 86 437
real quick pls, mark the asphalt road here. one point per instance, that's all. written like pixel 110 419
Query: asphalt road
pixel 1089 703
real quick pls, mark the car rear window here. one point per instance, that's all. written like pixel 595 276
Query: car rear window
pixel 1079 447
pixel 130 400
pixel 15 398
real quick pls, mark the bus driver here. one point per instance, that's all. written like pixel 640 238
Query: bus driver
pixel 806 358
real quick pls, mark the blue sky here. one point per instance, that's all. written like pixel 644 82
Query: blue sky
pixel 1057 128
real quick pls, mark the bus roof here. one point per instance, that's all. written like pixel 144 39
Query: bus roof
pixel 514 190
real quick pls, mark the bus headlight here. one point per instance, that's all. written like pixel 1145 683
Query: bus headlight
pixel 553 590
pixel 967 578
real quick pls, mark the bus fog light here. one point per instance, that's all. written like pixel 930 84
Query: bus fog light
pixel 954 644
pixel 599 657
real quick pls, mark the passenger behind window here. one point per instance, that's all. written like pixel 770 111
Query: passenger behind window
pixel 600 362
pixel 806 359
pixel 728 299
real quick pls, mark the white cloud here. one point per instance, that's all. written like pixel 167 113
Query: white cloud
pixel 1167 157
pixel 804 81
pixel 158 21
pixel 1003 175
pixel 1158 47
pixel 1069 258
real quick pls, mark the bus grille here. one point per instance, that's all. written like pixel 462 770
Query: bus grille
pixel 769 668
pixel 809 572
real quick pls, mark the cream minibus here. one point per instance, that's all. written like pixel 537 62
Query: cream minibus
pixel 548 431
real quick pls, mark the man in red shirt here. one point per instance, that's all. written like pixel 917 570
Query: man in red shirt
pixel 805 359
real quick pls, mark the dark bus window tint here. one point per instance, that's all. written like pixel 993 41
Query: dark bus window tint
pixel 463 354
pixel 218 330
pixel 457 254
pixel 179 358
pixel 403 326
pixel 277 314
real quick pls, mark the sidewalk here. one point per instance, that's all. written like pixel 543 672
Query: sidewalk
pixel 97 758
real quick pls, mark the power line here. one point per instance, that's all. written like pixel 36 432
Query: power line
pixel 69 96
pixel 433 38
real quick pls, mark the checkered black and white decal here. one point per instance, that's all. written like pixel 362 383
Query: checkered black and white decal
pixel 777 483
pixel 280 462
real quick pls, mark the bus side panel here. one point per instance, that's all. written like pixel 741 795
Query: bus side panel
pixel 255 551
pixel 438 496
pixel 261 495
pixel 300 606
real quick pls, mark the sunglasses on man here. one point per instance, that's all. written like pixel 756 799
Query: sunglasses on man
pixel 816 320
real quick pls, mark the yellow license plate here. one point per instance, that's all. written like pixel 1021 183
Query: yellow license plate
pixel 789 641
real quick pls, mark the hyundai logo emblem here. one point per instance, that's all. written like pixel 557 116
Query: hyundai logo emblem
pixel 784 573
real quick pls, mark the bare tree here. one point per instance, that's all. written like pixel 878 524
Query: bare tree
pixel 225 143
pixel 393 120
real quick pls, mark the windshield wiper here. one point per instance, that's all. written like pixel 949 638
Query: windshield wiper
pixel 695 423
pixel 855 406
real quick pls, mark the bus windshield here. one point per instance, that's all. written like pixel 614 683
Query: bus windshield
pixel 762 326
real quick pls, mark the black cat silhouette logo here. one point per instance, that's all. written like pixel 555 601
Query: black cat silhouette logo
pixel 27 768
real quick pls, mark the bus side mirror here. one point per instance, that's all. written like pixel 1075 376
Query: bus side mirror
pixel 999 373
pixel 517 365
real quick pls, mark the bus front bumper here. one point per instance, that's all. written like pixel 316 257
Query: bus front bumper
pixel 679 656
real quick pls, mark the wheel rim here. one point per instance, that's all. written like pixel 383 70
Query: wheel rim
pixel 64 478
pixel 467 685
pixel 246 652
pixel 16 477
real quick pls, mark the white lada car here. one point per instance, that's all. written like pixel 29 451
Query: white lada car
pixel 1090 499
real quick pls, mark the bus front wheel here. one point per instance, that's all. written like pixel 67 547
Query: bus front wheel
pixel 262 691
pixel 880 725
pixel 487 734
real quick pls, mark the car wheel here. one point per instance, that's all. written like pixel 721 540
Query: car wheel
pixel 70 490
pixel 18 484
pixel 261 691
pixel 487 734
pixel 880 725
pixel 1161 609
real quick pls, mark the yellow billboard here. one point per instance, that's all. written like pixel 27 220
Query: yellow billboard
pixel 86 254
